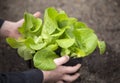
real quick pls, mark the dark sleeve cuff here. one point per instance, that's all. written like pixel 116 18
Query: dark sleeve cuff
pixel 1 22
pixel 33 76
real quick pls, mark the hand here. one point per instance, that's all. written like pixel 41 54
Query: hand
pixel 10 29
pixel 61 73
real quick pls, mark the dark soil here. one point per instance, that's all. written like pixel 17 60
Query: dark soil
pixel 101 15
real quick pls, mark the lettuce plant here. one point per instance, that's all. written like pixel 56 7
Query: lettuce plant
pixel 39 40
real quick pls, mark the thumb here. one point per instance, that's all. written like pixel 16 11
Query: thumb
pixel 37 15
pixel 61 60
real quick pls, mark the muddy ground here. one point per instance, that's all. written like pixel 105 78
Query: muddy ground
pixel 101 15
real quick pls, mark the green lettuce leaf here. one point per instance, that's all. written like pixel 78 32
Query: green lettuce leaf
pixel 25 52
pixel 50 24
pixel 85 40
pixel 31 25
pixel 65 43
pixel 14 43
pixel 43 59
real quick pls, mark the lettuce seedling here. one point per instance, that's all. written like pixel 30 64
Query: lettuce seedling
pixel 40 40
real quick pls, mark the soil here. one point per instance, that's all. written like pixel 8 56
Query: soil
pixel 101 15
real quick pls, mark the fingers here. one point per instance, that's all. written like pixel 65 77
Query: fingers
pixel 37 14
pixel 70 78
pixel 61 60
pixel 73 69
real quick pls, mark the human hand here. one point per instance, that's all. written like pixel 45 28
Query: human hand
pixel 62 73
pixel 10 29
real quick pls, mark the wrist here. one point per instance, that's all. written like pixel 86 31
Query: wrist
pixel 46 75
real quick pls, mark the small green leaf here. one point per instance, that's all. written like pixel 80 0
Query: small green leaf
pixel 29 41
pixel 80 53
pixel 58 34
pixel 102 46
pixel 65 52
pixel 37 25
pixel 52 47
pixel 25 52
pixel 13 42
pixel 65 43
pixel 79 25
pixel 37 46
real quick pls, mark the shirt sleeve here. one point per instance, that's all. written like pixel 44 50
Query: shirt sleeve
pixel 31 76
pixel 1 22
